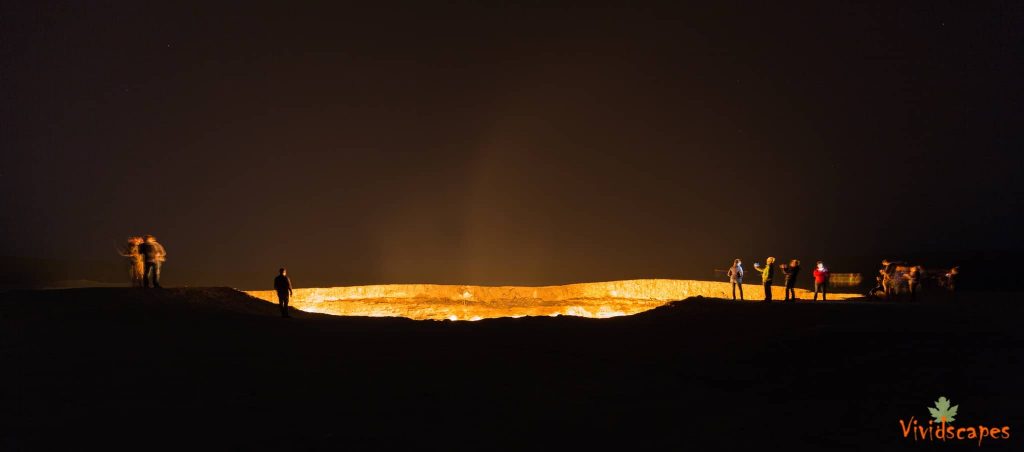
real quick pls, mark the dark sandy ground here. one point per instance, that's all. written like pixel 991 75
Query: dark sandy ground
pixel 213 369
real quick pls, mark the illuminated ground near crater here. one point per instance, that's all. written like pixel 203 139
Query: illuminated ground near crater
pixel 462 302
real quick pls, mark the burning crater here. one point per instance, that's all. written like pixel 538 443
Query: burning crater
pixel 457 302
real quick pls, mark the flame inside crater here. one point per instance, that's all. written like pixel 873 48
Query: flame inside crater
pixel 462 302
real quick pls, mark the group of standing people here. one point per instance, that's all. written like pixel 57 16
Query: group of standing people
pixel 895 277
pixel 145 256
pixel 791 271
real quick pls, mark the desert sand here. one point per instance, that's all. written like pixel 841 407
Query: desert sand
pixel 217 369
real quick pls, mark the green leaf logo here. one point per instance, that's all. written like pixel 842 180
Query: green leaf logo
pixel 942 411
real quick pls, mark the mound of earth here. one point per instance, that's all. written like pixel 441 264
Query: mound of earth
pixel 215 369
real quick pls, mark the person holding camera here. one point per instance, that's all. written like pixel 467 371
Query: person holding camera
pixel 767 275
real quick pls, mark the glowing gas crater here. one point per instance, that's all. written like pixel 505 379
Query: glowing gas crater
pixel 451 302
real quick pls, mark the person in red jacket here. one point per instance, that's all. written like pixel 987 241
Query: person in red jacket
pixel 820 281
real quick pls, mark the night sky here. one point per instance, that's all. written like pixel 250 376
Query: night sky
pixel 518 143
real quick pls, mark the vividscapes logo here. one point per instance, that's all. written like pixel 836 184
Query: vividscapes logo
pixel 940 428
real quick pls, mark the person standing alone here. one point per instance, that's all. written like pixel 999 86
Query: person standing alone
pixel 736 277
pixel 767 275
pixel 153 255
pixel 283 286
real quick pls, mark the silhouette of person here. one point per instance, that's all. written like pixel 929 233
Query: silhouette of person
pixel 153 255
pixel 283 286
pixel 736 277
pixel 792 271
pixel 767 275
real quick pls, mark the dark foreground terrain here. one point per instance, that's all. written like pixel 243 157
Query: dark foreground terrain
pixel 215 369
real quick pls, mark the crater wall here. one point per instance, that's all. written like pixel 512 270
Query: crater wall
pixel 466 302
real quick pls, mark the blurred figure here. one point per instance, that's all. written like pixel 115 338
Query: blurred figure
pixel 736 277
pixel 283 286
pixel 914 279
pixel 153 255
pixel 791 271
pixel 135 265
pixel 767 275
pixel 949 279
pixel 879 289
pixel 821 275
pixel 889 281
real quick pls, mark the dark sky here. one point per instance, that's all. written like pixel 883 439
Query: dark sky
pixel 515 144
